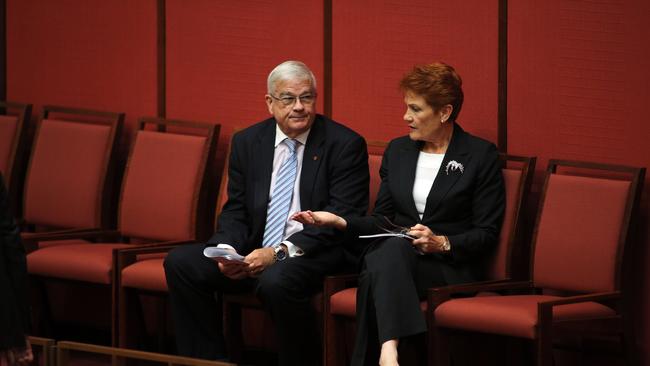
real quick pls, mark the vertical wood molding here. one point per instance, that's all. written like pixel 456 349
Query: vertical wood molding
pixel 502 109
pixel 161 59
pixel 327 58
pixel 3 50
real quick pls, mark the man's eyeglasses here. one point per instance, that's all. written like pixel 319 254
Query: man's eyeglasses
pixel 287 100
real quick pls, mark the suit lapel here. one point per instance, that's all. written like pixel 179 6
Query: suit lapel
pixel 408 161
pixel 449 173
pixel 311 161
pixel 263 163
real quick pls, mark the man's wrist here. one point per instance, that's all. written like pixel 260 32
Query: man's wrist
pixel 280 253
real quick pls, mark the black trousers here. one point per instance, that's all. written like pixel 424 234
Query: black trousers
pixel 393 279
pixel 285 288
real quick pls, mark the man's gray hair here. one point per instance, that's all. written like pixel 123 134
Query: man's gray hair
pixel 290 70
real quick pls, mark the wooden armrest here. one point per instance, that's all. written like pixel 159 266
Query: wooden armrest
pixel 334 284
pixel 597 297
pixel 438 295
pixel 127 256
pixel 31 240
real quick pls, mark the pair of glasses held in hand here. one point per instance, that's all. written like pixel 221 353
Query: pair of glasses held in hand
pixel 391 230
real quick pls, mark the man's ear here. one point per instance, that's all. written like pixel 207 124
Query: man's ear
pixel 269 103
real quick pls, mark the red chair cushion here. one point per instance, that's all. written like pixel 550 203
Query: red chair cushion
pixel 146 274
pixel 510 315
pixel 81 262
pixel 578 233
pixel 64 183
pixel 161 184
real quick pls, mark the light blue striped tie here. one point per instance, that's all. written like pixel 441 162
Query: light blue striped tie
pixel 280 201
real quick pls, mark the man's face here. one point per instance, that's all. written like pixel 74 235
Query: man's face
pixel 293 104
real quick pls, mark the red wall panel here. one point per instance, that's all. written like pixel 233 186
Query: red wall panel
pixel 89 54
pixel 376 42
pixel 578 89
pixel 219 55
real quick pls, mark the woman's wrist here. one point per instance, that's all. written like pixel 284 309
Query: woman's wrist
pixel 340 223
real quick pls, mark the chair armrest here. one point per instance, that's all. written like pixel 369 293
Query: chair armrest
pixel 596 297
pixel 334 284
pixel 128 256
pixel 31 240
pixel 438 295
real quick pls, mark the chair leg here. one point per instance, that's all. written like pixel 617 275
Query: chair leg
pixel 544 351
pixel 438 347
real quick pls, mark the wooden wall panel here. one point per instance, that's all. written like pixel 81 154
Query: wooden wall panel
pixel 87 54
pixel 376 42
pixel 219 55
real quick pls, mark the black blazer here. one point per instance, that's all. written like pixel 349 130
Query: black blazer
pixel 467 206
pixel 14 308
pixel 334 178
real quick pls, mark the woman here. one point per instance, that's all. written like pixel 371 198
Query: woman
pixel 14 312
pixel 444 188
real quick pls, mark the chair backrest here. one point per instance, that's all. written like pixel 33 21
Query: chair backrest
pixel 518 174
pixel 375 155
pixel 166 180
pixel 13 124
pixel 68 177
pixel 583 224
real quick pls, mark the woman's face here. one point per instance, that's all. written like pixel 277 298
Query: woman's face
pixel 423 120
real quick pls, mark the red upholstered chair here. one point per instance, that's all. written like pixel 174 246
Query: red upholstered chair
pixel 340 291
pixel 13 124
pixel 140 272
pixel 238 307
pixel 68 185
pixel 162 200
pixel 580 236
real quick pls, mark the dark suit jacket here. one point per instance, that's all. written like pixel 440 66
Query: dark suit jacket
pixel 334 178
pixel 14 308
pixel 466 206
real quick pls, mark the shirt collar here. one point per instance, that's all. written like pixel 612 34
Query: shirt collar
pixel 280 136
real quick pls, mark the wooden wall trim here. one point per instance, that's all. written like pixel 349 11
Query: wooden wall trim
pixel 3 50
pixel 502 109
pixel 326 87
pixel 161 59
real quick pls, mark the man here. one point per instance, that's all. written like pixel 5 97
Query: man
pixel 297 160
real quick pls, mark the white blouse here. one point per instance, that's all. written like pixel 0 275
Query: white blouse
pixel 425 173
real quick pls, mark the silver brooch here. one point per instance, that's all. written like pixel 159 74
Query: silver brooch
pixel 454 165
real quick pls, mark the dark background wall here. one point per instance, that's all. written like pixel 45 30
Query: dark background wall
pixel 577 80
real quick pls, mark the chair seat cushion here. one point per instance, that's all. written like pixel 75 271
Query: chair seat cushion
pixel 344 303
pixel 147 274
pixel 510 315
pixel 79 262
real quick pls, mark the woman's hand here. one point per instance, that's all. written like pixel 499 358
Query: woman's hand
pixel 426 241
pixel 320 218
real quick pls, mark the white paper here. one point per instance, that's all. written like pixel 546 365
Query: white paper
pixel 223 255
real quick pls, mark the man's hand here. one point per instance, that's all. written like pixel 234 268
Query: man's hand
pixel 258 260
pixel 235 271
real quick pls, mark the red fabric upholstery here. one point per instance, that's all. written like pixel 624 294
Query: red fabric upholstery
pixel 510 315
pixel 64 261
pixel 498 263
pixel 578 234
pixel 146 274
pixel 63 187
pixel 161 186
pixel 7 135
